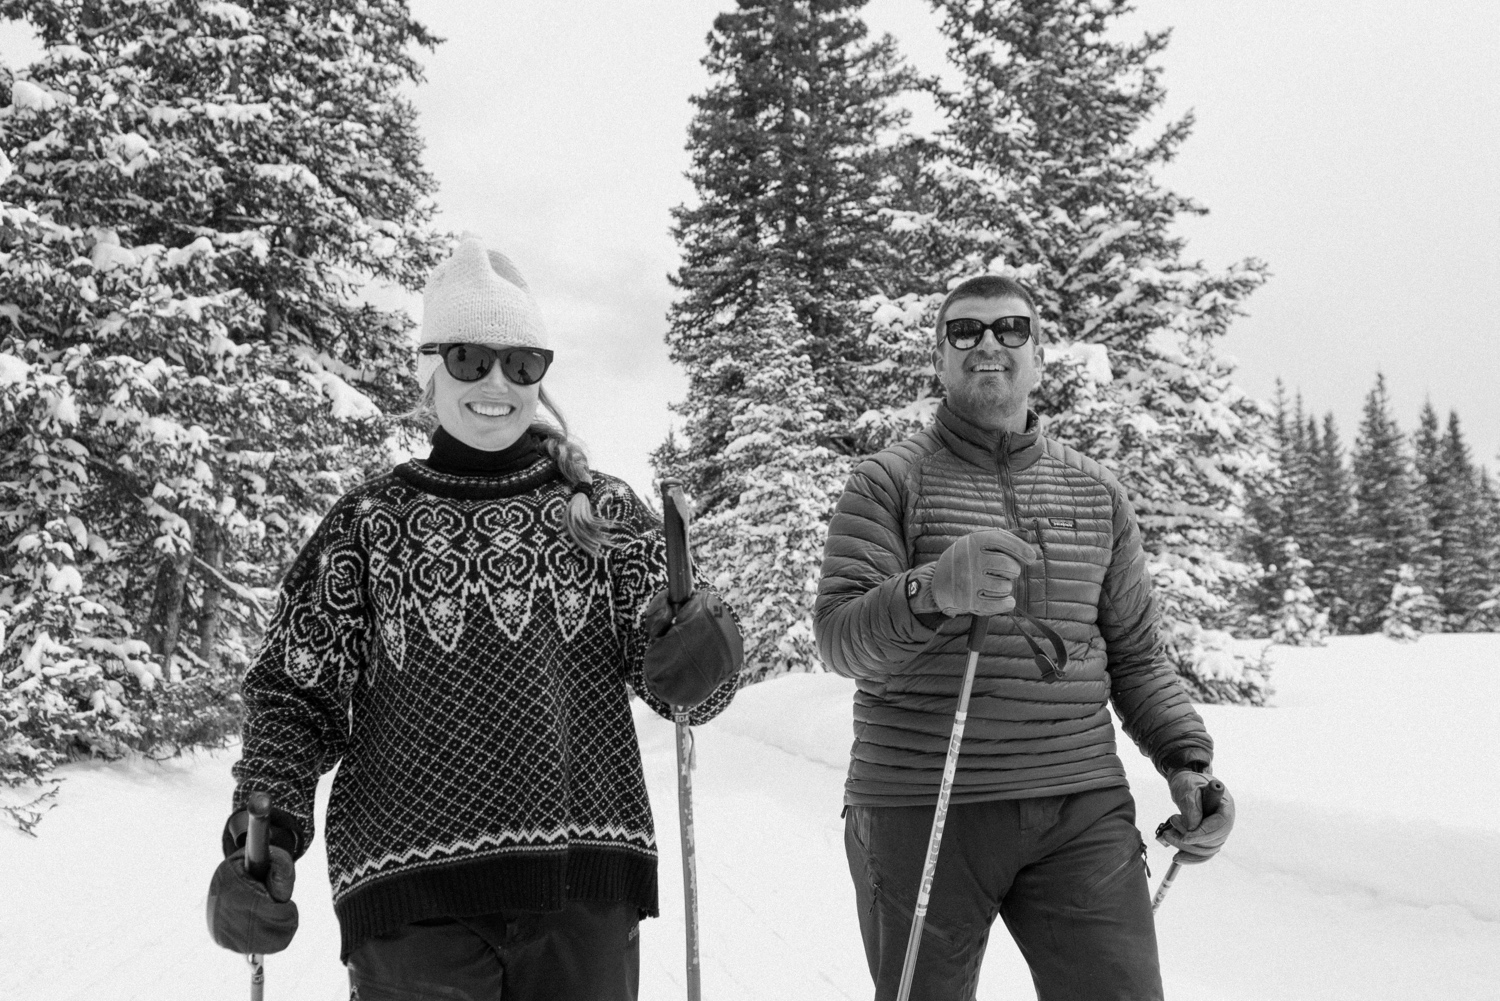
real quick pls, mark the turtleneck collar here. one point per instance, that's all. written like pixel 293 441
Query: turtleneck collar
pixel 981 446
pixel 454 458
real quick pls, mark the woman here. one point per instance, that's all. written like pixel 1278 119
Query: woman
pixel 460 635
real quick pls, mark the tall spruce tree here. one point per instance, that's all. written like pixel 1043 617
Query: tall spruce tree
pixel 1042 171
pixel 1328 533
pixel 1463 530
pixel 792 144
pixel 1390 530
pixel 765 551
pixel 187 376
pixel 1484 541
pixel 1268 530
pixel 1440 500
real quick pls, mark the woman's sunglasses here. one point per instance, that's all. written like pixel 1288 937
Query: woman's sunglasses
pixel 966 333
pixel 472 362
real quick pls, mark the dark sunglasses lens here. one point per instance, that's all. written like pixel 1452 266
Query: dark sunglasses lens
pixel 469 362
pixel 523 367
pixel 964 334
pixel 1013 331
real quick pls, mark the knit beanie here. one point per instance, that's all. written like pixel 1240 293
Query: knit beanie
pixel 477 296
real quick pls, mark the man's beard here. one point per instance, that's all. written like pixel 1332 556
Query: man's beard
pixel 988 404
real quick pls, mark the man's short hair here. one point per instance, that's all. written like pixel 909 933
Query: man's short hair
pixel 990 287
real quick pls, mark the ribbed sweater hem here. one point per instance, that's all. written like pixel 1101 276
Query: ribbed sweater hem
pixel 474 886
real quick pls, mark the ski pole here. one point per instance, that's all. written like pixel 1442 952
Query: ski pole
pixel 689 851
pixel 977 629
pixel 676 515
pixel 257 865
pixel 1213 795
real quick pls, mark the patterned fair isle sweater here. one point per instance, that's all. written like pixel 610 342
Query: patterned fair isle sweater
pixel 468 667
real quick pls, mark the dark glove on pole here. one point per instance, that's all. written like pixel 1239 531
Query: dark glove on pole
pixel 695 648
pixel 248 914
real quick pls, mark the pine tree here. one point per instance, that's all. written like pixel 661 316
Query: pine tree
pixel 1456 509
pixel 1484 542
pixel 1390 531
pixel 1440 502
pixel 1263 539
pixel 1410 611
pixel 1328 533
pixel 764 549
pixel 792 144
pixel 1037 174
pixel 187 376
pixel 1298 621
pixel 790 159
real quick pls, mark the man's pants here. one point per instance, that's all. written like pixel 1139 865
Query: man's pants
pixel 589 951
pixel 1066 873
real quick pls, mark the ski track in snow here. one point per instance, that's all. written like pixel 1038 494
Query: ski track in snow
pixel 1365 863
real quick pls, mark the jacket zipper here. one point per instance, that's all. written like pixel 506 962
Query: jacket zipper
pixel 1008 495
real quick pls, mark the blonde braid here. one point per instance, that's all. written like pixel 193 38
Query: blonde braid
pixel 591 531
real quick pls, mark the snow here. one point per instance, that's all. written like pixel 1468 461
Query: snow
pixel 1092 358
pixel 1365 863
pixel 24 94
pixel 13 370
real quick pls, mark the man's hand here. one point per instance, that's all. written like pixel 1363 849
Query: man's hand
pixel 246 915
pixel 1196 836
pixel 692 652
pixel 974 575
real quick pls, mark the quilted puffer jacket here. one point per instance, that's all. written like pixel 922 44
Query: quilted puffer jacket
pixel 1026 735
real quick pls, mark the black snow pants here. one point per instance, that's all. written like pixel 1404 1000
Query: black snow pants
pixel 587 950
pixel 1066 873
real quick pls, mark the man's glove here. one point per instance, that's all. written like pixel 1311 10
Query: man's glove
pixel 246 915
pixel 693 652
pixel 1196 837
pixel 974 575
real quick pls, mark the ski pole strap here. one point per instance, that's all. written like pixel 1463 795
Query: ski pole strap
pixel 1051 667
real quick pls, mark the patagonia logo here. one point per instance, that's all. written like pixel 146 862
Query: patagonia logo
pixel 1062 522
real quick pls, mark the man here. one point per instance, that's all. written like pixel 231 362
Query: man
pixel 982 514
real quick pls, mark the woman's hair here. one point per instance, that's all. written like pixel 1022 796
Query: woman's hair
pixel 592 531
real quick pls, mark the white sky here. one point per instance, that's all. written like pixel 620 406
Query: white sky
pixel 1355 153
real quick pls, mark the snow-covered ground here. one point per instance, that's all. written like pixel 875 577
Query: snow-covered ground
pixel 1365 863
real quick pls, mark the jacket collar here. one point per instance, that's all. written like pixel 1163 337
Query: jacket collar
pixel 973 443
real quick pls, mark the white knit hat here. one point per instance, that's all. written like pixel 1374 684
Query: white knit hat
pixel 477 296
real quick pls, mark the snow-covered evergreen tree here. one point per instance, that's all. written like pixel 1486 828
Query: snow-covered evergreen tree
pixel 1328 532
pixel 1409 611
pixel 1298 621
pixel 195 193
pixel 1484 543
pixel 763 548
pixel 1390 529
pixel 1452 498
pixel 791 146
pixel 1040 173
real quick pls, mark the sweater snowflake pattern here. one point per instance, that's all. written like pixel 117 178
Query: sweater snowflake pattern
pixel 467 666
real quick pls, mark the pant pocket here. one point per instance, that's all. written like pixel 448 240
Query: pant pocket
pixel 1116 868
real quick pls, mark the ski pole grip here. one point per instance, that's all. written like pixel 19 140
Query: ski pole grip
pixel 979 627
pixel 257 857
pixel 1213 795
pixel 675 516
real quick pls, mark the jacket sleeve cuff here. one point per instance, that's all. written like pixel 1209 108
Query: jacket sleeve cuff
pixel 281 834
pixel 1194 759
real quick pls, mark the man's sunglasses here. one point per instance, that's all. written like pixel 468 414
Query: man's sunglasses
pixel 472 362
pixel 966 333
